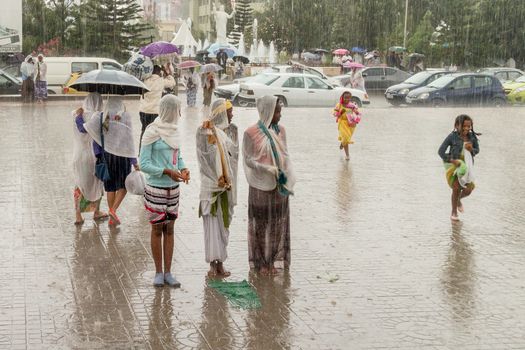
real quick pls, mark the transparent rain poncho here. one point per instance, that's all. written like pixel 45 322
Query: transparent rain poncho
pixel 83 155
pixel 118 131
pixel 165 125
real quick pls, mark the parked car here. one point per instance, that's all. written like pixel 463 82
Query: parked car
pixel 230 91
pixel 396 94
pixel 13 70
pixel 459 89
pixel 9 85
pixel 376 78
pixel 503 74
pixel 297 90
pixel 515 90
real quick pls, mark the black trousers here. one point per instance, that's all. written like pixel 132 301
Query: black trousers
pixel 145 119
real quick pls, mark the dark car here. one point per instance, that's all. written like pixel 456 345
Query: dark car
pixel 472 89
pixel 9 85
pixel 396 94
pixel 503 74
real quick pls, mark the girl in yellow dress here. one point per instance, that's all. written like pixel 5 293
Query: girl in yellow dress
pixel 347 117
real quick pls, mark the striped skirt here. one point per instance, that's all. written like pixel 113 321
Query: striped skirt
pixel 162 204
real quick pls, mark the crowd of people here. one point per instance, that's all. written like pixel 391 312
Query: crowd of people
pixel 34 79
pixel 105 156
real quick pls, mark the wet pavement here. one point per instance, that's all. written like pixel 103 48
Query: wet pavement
pixel 376 262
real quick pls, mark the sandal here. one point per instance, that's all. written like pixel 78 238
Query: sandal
pixel 100 216
pixel 114 216
pixel 78 223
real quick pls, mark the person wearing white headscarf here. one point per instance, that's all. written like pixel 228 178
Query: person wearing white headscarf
pixel 191 80
pixel 27 69
pixel 268 169
pixel 118 150
pixel 218 155
pixel 40 79
pixel 88 188
pixel 161 161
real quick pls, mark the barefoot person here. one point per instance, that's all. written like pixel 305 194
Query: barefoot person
pixel 268 170
pixel 118 150
pixel 462 145
pixel 217 153
pixel 347 117
pixel 161 161
pixel 88 188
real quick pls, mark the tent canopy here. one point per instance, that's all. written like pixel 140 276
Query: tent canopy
pixel 184 37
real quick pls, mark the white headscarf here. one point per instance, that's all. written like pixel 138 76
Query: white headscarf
pixel 165 125
pixel 218 116
pixel 118 138
pixel 266 108
pixel 27 69
pixel 92 103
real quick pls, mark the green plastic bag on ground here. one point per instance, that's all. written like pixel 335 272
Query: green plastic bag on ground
pixel 239 294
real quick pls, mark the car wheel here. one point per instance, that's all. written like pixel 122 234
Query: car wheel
pixel 51 92
pixel 498 102
pixel 356 101
pixel 394 103
pixel 283 100
pixel 437 102
pixel 242 103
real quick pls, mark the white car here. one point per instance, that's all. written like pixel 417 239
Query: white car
pixel 298 90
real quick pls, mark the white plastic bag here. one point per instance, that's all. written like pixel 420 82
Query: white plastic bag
pixel 136 183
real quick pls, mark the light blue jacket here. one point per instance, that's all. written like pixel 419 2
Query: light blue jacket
pixel 156 157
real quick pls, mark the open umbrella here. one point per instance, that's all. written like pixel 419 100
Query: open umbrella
pixel 416 55
pixel 349 64
pixel 243 59
pixel 159 48
pixel 397 49
pixel 358 49
pixel 113 82
pixel 188 64
pixel 229 49
pixel 340 52
pixel 210 67
pixel 320 51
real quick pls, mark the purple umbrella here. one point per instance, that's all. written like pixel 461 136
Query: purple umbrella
pixel 159 48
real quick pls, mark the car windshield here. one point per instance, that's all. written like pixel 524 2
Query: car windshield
pixel 418 78
pixel 265 79
pixel 442 82
pixel 520 79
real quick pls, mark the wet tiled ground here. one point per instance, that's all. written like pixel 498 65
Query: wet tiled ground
pixel 376 262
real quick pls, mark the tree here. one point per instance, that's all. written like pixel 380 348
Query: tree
pixel 243 21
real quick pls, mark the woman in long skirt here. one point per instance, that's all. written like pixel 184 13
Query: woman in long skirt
pixel 161 161
pixel 217 154
pixel 191 79
pixel 268 170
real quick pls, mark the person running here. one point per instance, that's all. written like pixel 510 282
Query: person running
pixel 217 154
pixel 462 145
pixel 116 149
pixel 347 116
pixel 268 169
pixel 88 188
pixel 161 161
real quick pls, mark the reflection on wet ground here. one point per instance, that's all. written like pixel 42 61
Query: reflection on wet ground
pixel 376 262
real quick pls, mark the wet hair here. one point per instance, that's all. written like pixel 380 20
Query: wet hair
pixel 156 69
pixel 346 92
pixel 460 120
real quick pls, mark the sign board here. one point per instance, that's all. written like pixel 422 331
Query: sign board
pixel 11 26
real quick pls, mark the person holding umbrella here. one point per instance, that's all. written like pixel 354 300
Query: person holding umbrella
pixel 222 59
pixel 149 102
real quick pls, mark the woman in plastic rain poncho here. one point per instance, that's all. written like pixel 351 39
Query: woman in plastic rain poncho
pixel 88 188
pixel 268 170
pixel 217 153
pixel 118 151
pixel 161 161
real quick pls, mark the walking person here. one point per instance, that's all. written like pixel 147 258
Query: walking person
pixel 217 154
pixel 191 79
pixel 161 161
pixel 462 145
pixel 27 69
pixel 41 79
pixel 149 102
pixel 268 169
pixel 208 85
pixel 347 117
pixel 356 79
pixel 116 149
pixel 88 188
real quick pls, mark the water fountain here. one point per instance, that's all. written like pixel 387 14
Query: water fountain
pixel 261 52
pixel 240 48
pixel 272 59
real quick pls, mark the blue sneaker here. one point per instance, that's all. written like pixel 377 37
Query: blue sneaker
pixel 171 281
pixel 158 281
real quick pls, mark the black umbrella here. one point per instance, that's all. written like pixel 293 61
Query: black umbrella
pixel 202 52
pixel 113 82
pixel 243 59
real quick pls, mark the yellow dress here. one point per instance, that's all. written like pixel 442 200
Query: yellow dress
pixel 345 130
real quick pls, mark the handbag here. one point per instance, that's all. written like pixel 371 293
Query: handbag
pixel 101 168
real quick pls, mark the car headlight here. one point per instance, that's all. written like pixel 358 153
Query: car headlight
pixel 403 91
pixel 520 89
pixel 423 96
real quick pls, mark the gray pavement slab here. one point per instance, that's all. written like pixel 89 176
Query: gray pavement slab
pixel 376 262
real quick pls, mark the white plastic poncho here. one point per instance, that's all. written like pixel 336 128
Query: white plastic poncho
pixel 468 176
pixel 214 153
pixel 83 157
pixel 260 164
pixel 27 69
pixel 165 125
pixel 118 138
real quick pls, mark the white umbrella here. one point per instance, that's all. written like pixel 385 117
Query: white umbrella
pixel 105 81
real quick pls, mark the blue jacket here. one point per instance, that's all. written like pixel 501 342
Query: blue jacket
pixel 454 143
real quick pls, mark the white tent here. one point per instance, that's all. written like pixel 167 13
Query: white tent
pixel 184 36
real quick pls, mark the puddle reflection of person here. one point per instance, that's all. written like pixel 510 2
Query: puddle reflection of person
pixel 343 195
pixel 459 276
pixel 160 321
